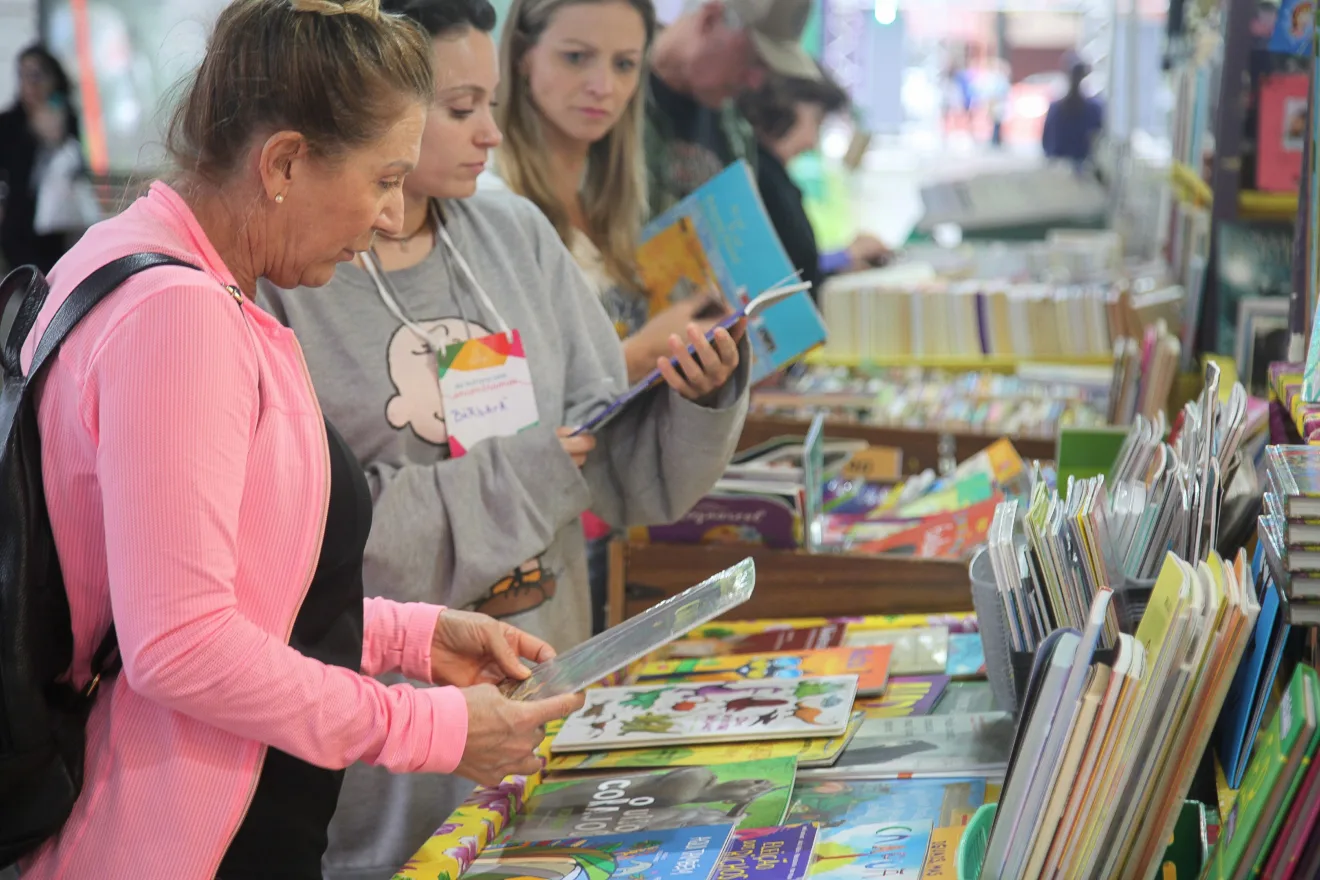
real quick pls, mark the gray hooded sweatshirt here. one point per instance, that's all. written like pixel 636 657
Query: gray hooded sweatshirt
pixel 497 530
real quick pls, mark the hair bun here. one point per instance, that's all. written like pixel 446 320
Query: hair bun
pixel 366 8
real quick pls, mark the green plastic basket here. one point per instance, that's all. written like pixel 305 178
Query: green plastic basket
pixel 976 837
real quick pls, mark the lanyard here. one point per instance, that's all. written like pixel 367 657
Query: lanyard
pixel 388 295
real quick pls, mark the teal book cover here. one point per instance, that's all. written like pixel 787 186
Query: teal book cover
pixel 743 256
pixel 691 853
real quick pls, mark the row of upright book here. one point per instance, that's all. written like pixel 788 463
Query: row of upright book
pixel 1290 528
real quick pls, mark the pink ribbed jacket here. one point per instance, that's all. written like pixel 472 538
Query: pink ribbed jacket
pixel 186 475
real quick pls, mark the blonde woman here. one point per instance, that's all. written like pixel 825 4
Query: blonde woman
pixel 571 110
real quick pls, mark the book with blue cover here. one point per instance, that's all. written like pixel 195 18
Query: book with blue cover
pixel 721 237
pixel 693 853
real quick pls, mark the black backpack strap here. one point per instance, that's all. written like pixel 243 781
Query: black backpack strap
pixel 29 285
pixel 87 295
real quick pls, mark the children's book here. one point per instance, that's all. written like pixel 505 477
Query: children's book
pixel 721 238
pixel 870 665
pixel 691 853
pixel 729 711
pixel 954 534
pixel 966 656
pixel 955 745
pixel 809 638
pixel 769 854
pixel 1282 131
pixel 754 794
pixel 1294 26
pixel 915 651
pixel 862 852
pixel 1295 472
pixel 906 696
pixel 942 857
pixel 818 752
pixel 751 309
pixel 834 804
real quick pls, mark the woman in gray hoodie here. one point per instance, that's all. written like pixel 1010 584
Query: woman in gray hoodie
pixel 498 528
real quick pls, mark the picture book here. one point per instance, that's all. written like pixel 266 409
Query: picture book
pixel 932 744
pixel 1254 260
pixel 833 804
pixel 966 656
pixel 1282 131
pixel 954 534
pixel 646 855
pixel 915 651
pixel 809 638
pixel 906 696
pixel 769 854
pixel 728 629
pixel 1295 473
pixel 730 711
pixel 749 793
pixel 885 850
pixel 870 665
pixel 817 752
pixel 1294 26
pixel 720 237
pixel 735 518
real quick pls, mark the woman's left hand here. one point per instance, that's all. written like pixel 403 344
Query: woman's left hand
pixel 469 649
pixel 706 372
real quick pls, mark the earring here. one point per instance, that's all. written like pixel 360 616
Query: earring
pixel 279 199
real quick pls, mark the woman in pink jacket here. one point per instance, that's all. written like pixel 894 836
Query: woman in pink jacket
pixel 200 502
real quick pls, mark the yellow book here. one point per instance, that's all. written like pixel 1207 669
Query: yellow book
pixel 942 854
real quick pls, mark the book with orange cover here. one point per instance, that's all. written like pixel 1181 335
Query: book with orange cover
pixel 953 535
pixel 870 665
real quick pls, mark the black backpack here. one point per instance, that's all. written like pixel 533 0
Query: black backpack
pixel 42 717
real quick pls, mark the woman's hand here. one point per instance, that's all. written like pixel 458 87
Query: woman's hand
pixel 469 649
pixel 577 447
pixel 707 371
pixel 868 252
pixel 502 734
pixel 652 341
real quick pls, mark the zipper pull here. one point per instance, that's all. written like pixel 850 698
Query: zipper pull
pixel 235 293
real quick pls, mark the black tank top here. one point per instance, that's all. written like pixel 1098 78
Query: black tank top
pixel 284 833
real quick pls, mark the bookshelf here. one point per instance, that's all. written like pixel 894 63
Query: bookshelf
pixel 996 363
pixel 838 584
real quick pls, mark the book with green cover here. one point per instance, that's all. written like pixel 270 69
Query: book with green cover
pixel 1270 782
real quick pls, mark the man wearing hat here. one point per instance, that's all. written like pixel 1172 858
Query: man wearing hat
pixel 716 50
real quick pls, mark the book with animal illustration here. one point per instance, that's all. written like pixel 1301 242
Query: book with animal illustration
pixel 906 696
pixel 721 239
pixel 751 794
pixel 933 744
pixel 870 852
pixel 691 853
pixel 870 665
pixel 728 711
pixel 817 752
pixel 768 854
pixel 834 804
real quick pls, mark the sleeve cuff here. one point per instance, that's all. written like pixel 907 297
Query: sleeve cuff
pixel 418 632
pixel 449 728
pixel 833 262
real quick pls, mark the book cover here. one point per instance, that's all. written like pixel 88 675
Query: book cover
pixel 1253 260
pixel 870 665
pixel 834 804
pixel 1294 26
pixel 812 638
pixel 966 656
pixel 769 854
pixel 818 752
pixel 906 696
pixel 952 535
pixel 727 629
pixel 692 853
pixel 754 794
pixel 942 858
pixel 743 256
pixel 863 852
pixel 729 711
pixel 728 518
pixel 961 493
pixel 949 745
pixel 967 698
pixel 1295 470
pixel 923 651
pixel 1282 131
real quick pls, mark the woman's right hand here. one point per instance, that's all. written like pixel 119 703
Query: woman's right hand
pixel 503 734
pixel 652 340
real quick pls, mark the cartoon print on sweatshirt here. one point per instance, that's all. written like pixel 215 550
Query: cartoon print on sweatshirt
pixel 416 405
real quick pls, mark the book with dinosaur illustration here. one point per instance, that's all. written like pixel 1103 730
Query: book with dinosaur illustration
pixel 870 665
pixel 906 696
pixel 727 711
pixel 692 853
pixel 769 854
pixel 720 239
pixel 817 752
pixel 752 794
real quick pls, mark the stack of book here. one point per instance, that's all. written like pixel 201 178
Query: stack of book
pixel 1290 528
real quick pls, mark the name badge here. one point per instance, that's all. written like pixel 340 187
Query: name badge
pixel 486 390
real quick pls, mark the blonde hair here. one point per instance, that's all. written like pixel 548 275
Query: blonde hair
pixel 614 187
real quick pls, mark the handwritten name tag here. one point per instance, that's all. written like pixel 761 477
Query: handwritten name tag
pixel 486 389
